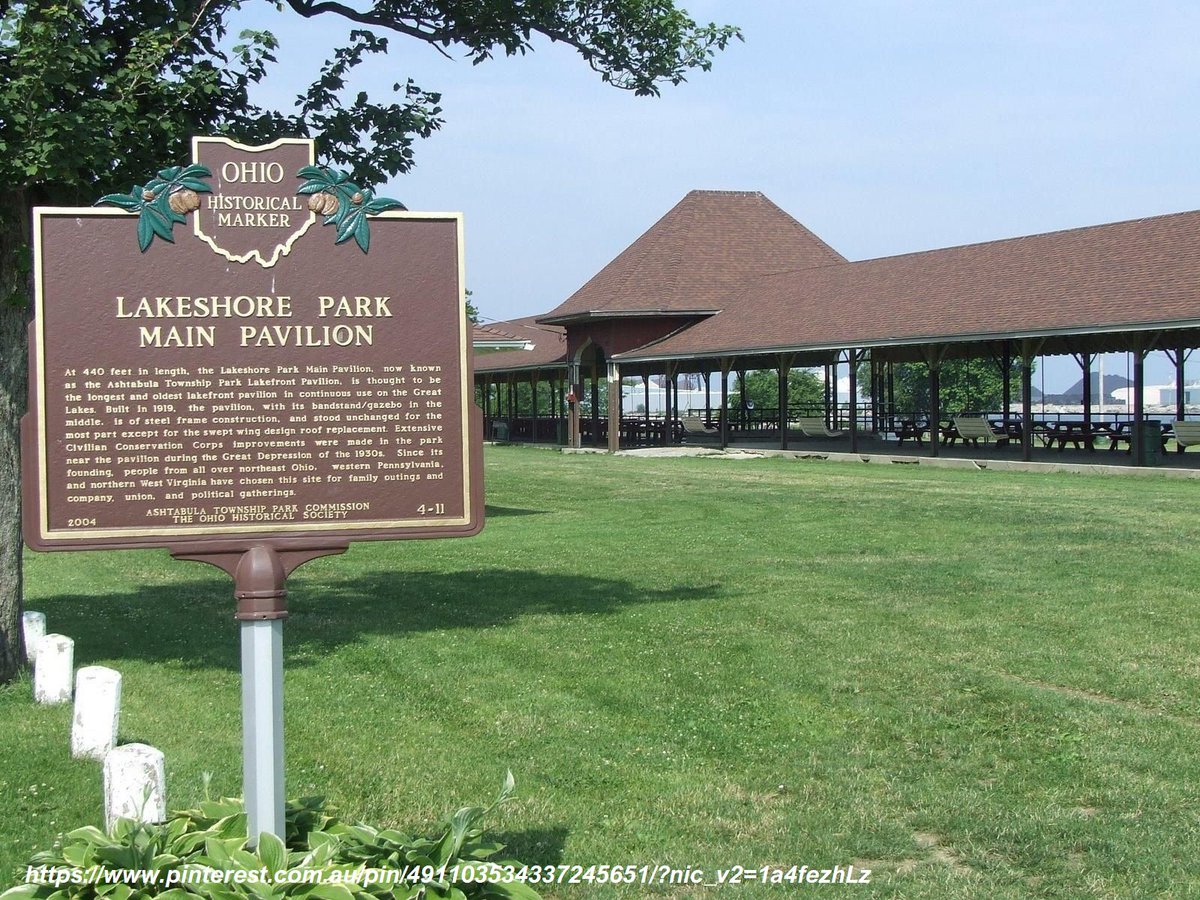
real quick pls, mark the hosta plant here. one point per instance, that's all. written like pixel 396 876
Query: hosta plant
pixel 204 854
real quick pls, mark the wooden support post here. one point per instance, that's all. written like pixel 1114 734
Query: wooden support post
pixel 1179 358
pixel 833 386
pixel 1180 388
pixel 1181 355
pixel 670 402
pixel 935 402
pixel 533 386
pixel 488 406
pixel 512 406
pixel 853 355
pixel 828 412
pixel 741 374
pixel 785 370
pixel 1006 375
pixel 596 399
pixel 725 365
pixel 1085 363
pixel 1027 354
pixel 892 391
pixel 707 373
pixel 614 407
pixel 1139 408
pixel 575 391
pixel 674 401
pixel 876 385
pixel 666 399
pixel 646 407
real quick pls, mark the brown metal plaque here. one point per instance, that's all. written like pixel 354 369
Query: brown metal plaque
pixel 253 381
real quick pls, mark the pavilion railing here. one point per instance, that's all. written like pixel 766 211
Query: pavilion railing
pixel 638 429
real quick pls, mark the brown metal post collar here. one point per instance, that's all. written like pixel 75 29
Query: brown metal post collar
pixel 259 571
pixel 260 585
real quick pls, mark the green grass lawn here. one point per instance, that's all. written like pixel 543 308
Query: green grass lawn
pixel 977 684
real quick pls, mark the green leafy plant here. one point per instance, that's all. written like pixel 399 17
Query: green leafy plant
pixel 198 853
pixel 163 201
pixel 343 203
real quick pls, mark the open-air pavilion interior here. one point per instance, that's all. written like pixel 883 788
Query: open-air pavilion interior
pixel 727 282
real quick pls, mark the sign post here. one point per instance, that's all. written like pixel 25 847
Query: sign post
pixel 251 361
pixel 259 576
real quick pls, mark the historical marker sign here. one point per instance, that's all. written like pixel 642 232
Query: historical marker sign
pixel 292 363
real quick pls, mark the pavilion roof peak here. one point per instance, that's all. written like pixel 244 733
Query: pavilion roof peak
pixel 702 192
pixel 703 249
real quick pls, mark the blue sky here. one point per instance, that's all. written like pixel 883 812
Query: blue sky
pixel 885 127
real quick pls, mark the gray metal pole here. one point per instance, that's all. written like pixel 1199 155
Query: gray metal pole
pixel 259 585
pixel 262 726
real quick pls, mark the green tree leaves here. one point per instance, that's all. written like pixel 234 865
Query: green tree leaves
pixel 805 389
pixel 965 385
pixel 93 94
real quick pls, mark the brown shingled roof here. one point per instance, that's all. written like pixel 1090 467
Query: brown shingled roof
pixel 549 347
pixel 484 333
pixel 692 257
pixel 1126 275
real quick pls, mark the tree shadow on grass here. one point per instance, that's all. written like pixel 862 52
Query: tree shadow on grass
pixel 191 622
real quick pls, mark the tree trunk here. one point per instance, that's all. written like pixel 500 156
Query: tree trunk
pixel 14 305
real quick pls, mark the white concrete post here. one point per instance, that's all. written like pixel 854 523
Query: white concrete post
pixel 55 666
pixel 134 784
pixel 35 629
pixel 97 711
pixel 262 727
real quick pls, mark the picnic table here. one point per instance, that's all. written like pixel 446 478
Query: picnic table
pixel 636 430
pixel 1077 434
pixel 1122 433
pixel 906 429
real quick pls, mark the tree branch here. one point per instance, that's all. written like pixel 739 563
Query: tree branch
pixel 445 33
pixel 310 9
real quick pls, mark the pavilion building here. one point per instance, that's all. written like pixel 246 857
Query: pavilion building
pixel 726 282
